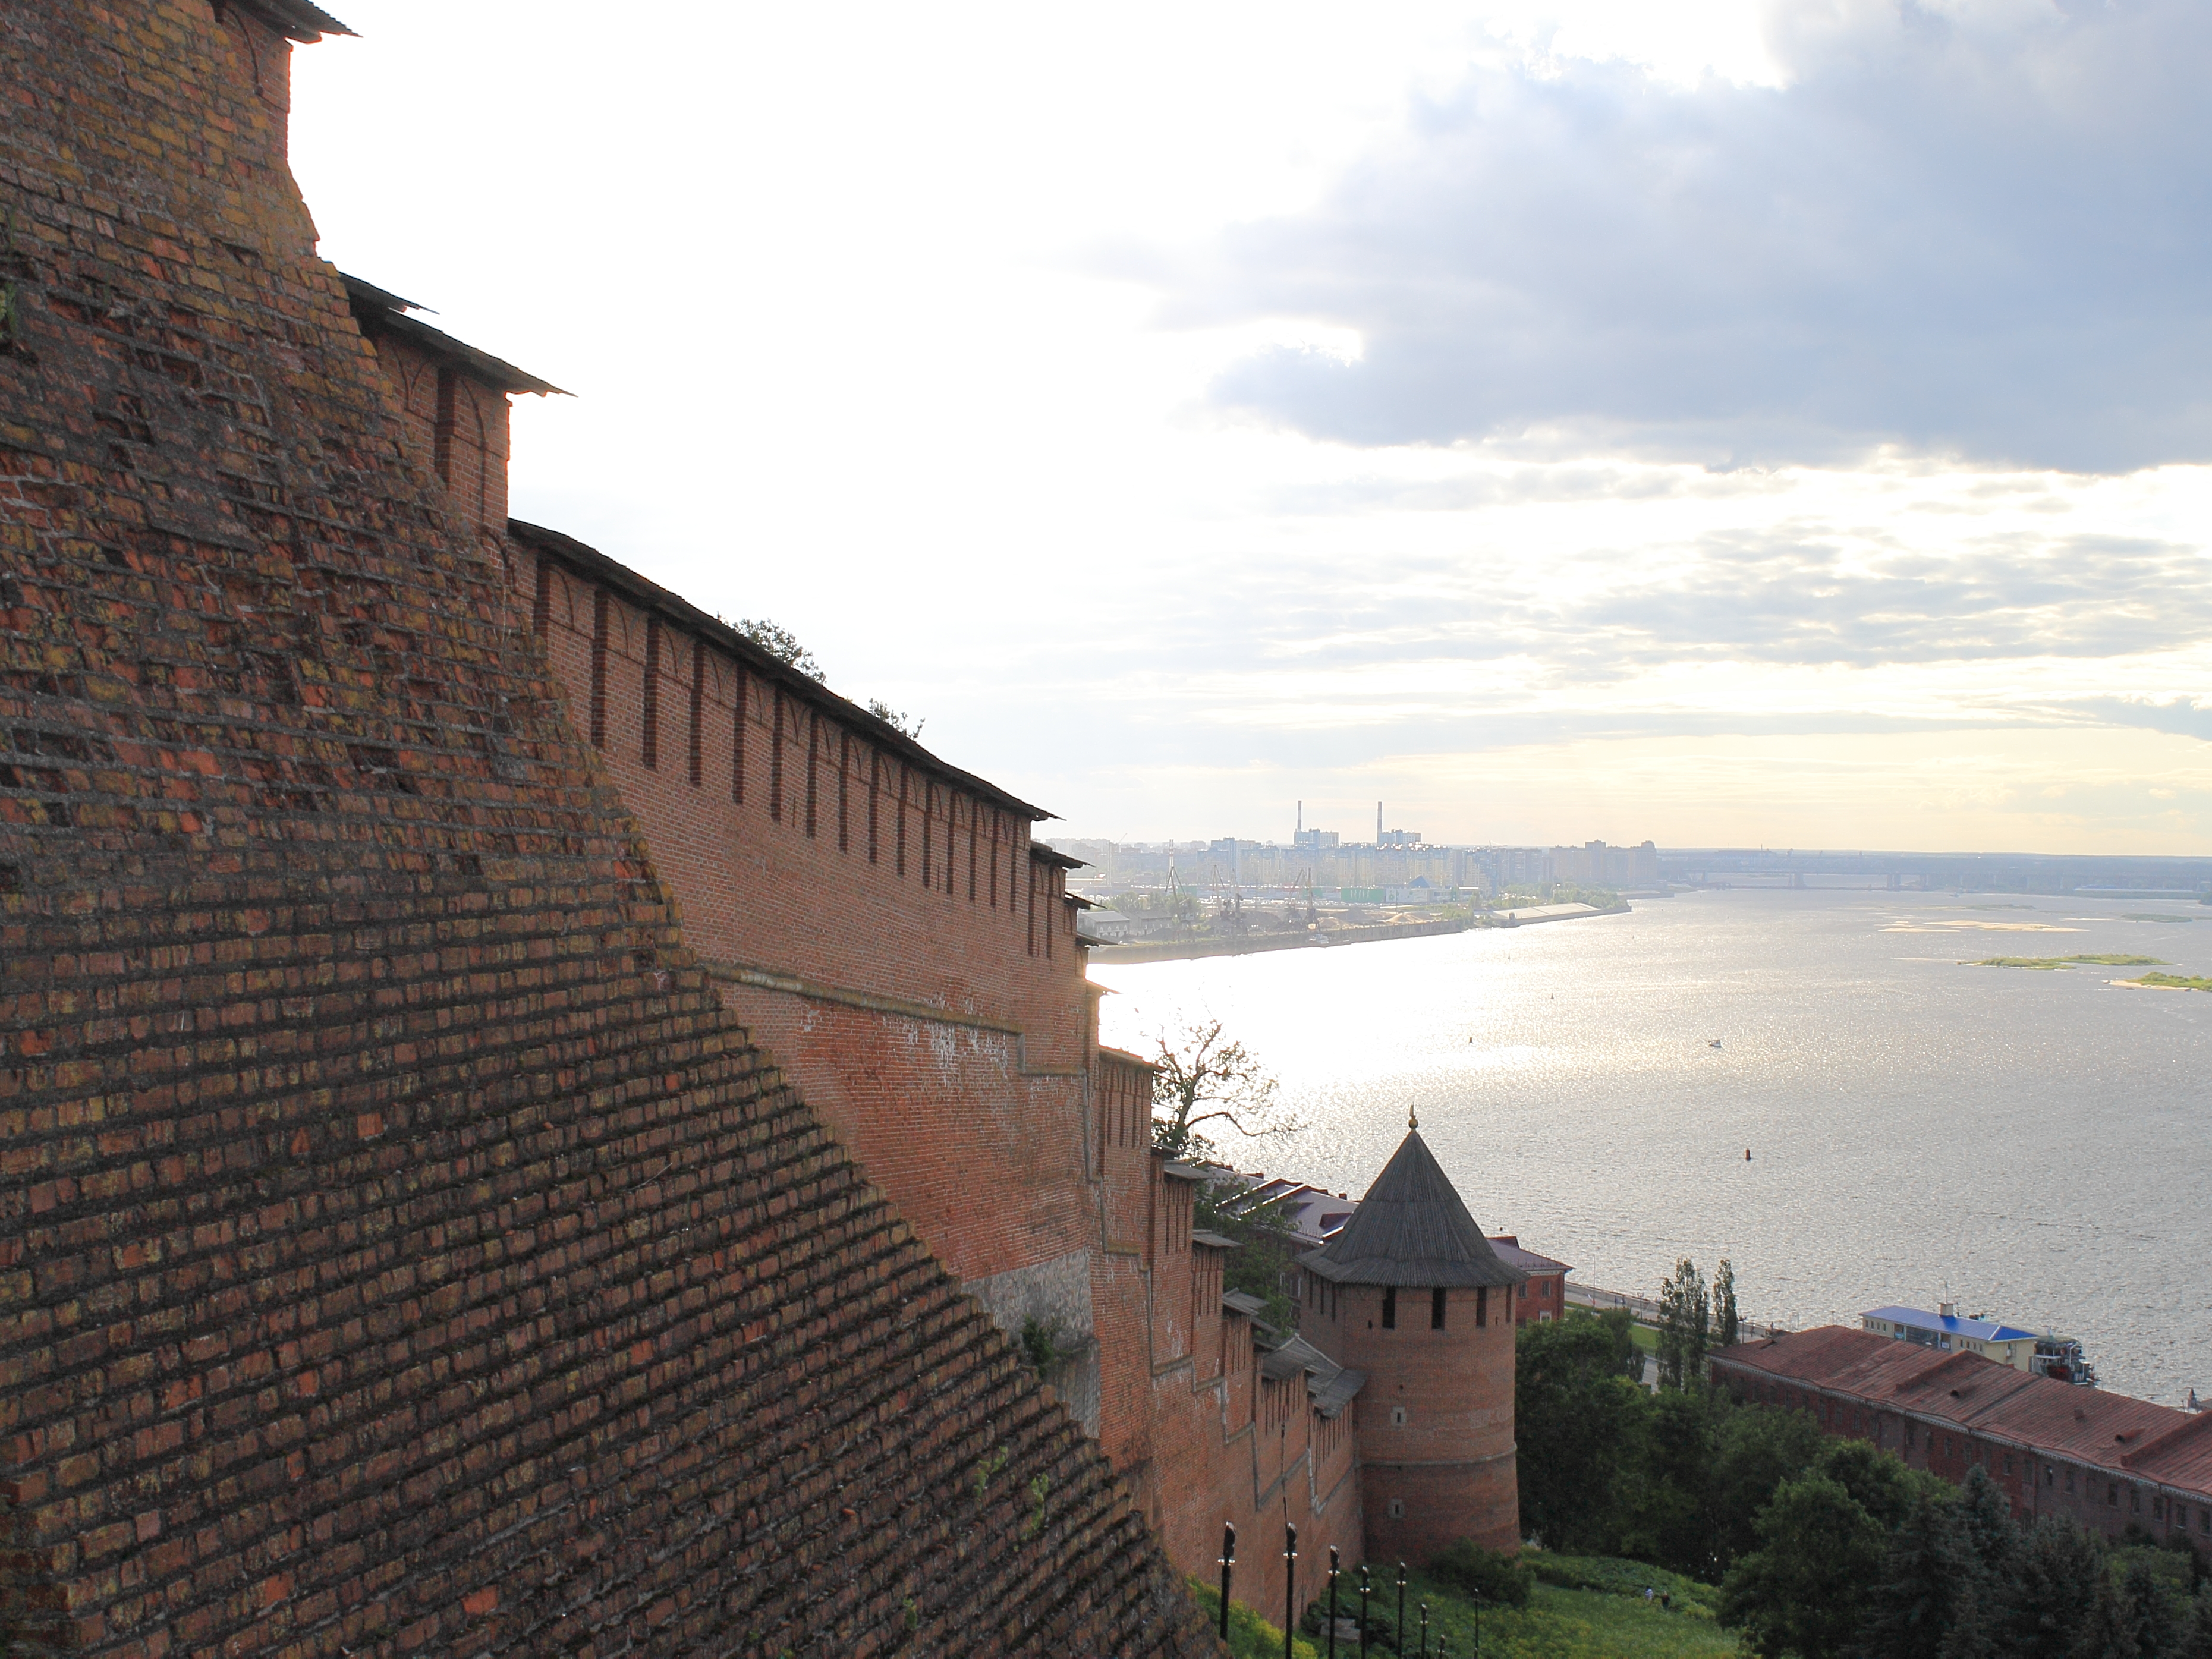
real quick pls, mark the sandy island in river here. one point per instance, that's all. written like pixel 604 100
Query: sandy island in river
pixel 2165 982
pixel 2046 964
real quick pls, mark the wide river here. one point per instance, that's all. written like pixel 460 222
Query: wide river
pixel 2032 1145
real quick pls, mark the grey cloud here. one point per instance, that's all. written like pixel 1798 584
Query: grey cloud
pixel 2186 717
pixel 2082 597
pixel 1807 594
pixel 1983 239
pixel 1173 735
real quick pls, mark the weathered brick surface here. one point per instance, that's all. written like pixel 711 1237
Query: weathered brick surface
pixel 401 1248
pixel 808 845
pixel 1436 1419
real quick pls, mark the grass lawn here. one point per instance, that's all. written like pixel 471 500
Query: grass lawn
pixel 1605 1618
pixel 1583 1608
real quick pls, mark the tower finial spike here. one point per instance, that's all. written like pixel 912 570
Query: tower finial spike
pixel 1413 1120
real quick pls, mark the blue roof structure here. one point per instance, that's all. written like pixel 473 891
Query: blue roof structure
pixel 1981 1330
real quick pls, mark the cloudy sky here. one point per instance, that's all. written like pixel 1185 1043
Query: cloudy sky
pixel 1753 423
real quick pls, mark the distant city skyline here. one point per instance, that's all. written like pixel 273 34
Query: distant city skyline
pixel 1741 424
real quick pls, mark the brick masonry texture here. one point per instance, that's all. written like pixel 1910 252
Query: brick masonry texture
pixel 402 1248
pixel 1436 1420
pixel 813 853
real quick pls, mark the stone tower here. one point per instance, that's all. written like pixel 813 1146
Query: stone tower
pixel 1411 1293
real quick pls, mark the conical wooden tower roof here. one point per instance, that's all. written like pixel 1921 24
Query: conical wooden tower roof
pixel 1411 1228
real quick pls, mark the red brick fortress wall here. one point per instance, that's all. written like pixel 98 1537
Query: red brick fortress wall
pixel 401 1248
pixel 460 426
pixel 888 929
pixel 1435 1418
pixel 884 924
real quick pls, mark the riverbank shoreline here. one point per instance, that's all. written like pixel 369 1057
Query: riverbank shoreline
pixel 1194 950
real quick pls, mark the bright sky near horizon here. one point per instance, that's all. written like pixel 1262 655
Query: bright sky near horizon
pixel 1722 424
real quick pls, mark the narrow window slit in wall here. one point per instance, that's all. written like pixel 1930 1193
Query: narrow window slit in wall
pixel 1033 909
pixel 1481 1306
pixel 441 430
pixel 698 711
pixel 600 668
pixel 1390 1308
pixel 1437 1308
pixel 928 812
pixel 898 861
pixel 651 747
pixel 484 468
pixel 844 783
pixel 813 763
pixel 738 734
pixel 975 834
pixel 875 801
pixel 997 821
pixel 776 757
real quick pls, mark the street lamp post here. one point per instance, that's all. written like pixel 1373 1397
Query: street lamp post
pixel 1228 1564
pixel 1331 1602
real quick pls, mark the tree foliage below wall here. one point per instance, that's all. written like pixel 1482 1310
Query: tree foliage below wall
pixel 1825 1548
pixel 1267 1246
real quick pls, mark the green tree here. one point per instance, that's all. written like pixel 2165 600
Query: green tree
pixel 1685 1326
pixel 2130 1619
pixel 1802 1591
pixel 781 644
pixel 1727 1328
pixel 1204 1077
pixel 1974 1629
pixel 1985 1514
pixel 897 718
pixel 2196 1628
pixel 2054 1586
pixel 1579 1423
pixel 1265 1242
pixel 1668 1513
pixel 1757 1449
pixel 1878 1481
pixel 1930 1585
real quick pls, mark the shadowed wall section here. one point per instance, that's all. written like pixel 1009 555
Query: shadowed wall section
pixel 401 1249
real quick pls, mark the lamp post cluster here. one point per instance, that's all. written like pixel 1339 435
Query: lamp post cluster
pixel 1335 1572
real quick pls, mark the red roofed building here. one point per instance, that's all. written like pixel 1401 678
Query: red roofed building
pixel 2104 1459
pixel 1544 1298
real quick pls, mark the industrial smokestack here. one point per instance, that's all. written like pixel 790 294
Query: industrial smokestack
pixel 1378 823
pixel 1302 823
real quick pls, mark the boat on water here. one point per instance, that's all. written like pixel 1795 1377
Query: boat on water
pixel 2058 1358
